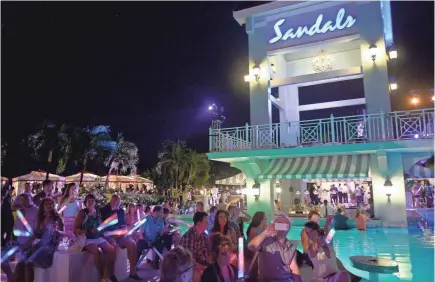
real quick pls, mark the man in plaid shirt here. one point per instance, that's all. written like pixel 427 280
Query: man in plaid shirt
pixel 195 240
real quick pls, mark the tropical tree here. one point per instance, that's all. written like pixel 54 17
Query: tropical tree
pixel 173 162
pixel 90 143
pixel 122 156
pixel 48 140
pixel 199 169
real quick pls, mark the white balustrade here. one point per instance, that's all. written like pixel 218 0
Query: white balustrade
pixel 394 126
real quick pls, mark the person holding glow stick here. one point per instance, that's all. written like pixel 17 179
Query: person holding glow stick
pixel 29 211
pixel 323 256
pixel 70 205
pixel 48 230
pixel 221 270
pixel 132 218
pixel 86 223
pixel 124 242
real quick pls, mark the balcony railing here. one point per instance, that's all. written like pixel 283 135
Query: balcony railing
pixel 393 126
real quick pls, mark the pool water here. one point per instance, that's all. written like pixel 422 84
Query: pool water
pixel 411 248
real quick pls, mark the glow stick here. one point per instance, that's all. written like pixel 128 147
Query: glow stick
pixel 136 226
pixel 206 232
pixel 24 221
pixel 19 233
pixel 110 223
pixel 241 270
pixel 158 253
pixel 118 232
pixel 9 253
pixel 138 215
pixel 62 209
pixel 110 218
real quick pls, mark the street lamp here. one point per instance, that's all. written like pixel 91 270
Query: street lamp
pixel 217 115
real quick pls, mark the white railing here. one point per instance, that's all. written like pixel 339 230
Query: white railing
pixel 392 126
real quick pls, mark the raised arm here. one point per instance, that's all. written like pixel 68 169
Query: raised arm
pixel 256 243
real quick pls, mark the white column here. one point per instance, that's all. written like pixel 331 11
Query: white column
pixel 376 81
pixel 289 99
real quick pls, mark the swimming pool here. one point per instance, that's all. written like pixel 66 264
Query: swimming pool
pixel 412 248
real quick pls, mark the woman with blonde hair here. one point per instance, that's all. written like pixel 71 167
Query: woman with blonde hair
pixel 177 266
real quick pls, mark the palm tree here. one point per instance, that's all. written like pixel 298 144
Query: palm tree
pixel 173 161
pixel 51 139
pixel 89 143
pixel 121 156
pixel 199 169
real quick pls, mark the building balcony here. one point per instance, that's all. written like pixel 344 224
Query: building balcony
pixel 382 127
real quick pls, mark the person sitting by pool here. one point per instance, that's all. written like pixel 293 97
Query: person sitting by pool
pixel 220 270
pixel 195 240
pixel 177 266
pixel 340 219
pixel 361 219
pixel 277 255
pixel 323 256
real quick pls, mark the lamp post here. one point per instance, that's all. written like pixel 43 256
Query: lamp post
pixel 256 190
pixel 388 187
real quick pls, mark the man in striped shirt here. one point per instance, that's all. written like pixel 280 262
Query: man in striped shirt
pixel 195 240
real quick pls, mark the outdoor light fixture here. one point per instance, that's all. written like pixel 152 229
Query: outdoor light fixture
pixel 415 100
pixel 255 74
pixel 373 50
pixel 272 68
pixel 387 186
pixel 393 86
pixel 278 189
pixel 392 52
pixel 256 190
pixel 433 98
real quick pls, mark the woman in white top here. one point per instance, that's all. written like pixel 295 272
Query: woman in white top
pixel 323 257
pixel 72 206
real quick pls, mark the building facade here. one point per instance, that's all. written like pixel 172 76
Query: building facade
pixel 300 44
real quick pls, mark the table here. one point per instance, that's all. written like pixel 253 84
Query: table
pixel 374 266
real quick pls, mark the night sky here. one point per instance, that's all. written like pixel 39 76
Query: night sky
pixel 150 69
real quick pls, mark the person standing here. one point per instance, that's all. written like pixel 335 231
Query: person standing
pixel 340 193
pixel 359 195
pixel 47 186
pixel 7 221
pixel 195 240
pixel 345 193
pixel 333 194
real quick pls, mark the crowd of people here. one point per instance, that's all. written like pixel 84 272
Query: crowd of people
pixel 422 194
pixel 208 251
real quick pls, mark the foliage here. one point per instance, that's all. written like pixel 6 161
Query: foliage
pixel 102 194
pixel 173 163
pixel 90 143
pixel 51 139
pixel 122 156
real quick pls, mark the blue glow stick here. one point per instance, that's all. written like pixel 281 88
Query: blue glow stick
pixel 19 233
pixel 136 226
pixel 110 223
pixel 9 253
pixel 24 221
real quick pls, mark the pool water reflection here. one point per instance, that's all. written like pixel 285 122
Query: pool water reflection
pixel 412 248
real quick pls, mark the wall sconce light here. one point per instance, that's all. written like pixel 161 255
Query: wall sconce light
pixel 255 74
pixel 272 68
pixel 393 84
pixel 278 192
pixel 392 52
pixel 373 50
pixel 388 187
pixel 256 190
